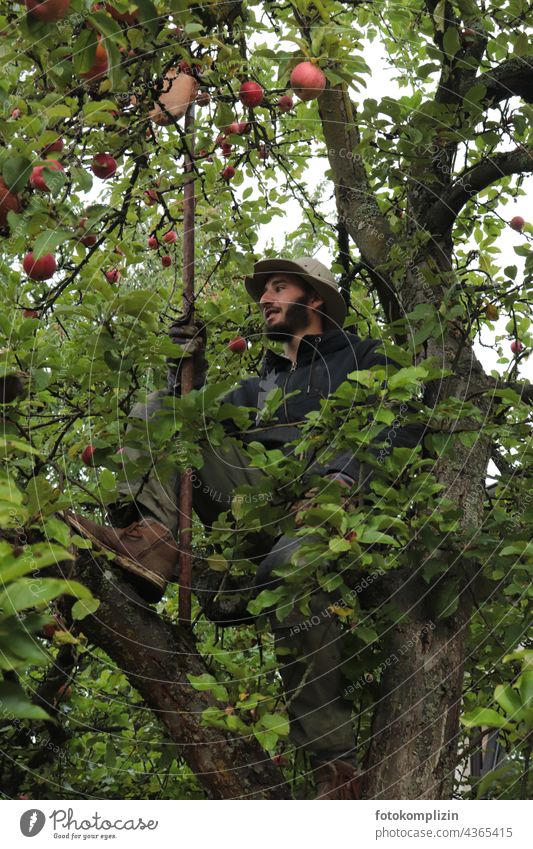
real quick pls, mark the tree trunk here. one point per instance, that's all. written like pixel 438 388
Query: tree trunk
pixel 156 656
pixel 413 747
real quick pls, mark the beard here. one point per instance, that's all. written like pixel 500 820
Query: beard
pixel 296 318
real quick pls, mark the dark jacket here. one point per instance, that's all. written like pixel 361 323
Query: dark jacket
pixel 322 364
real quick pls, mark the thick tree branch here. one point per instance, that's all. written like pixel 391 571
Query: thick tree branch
pixel 472 181
pixel 157 658
pixel 358 210
pixel 513 78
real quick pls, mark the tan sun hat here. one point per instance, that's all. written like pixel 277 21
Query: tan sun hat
pixel 312 271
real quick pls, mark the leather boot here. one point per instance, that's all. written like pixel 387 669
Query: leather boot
pixel 145 549
pixel 336 780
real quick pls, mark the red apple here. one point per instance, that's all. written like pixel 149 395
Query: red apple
pixel 251 93
pixel 39 269
pixel 517 223
pixel 16 114
pixel 228 173
pixel 56 146
pixel 49 630
pixel 152 243
pixel 166 261
pixel 48 10
pixel 100 65
pixel 517 346
pixel 103 166
pixel 171 237
pixel 237 345
pixel 233 128
pixel 38 180
pixel 113 275
pixel 87 453
pixel 27 313
pixel 8 202
pixel 285 103
pixel 89 240
pixel 263 152
pixel 151 197
pixel 226 148
pixel 307 81
pixel 279 760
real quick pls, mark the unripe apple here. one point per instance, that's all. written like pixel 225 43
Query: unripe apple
pixel 228 173
pixel 152 243
pixel 251 94
pixel 48 10
pixel 237 345
pixel 166 261
pixel 39 269
pixel 517 223
pixel 100 65
pixel 517 346
pixel 113 275
pixel 492 312
pixel 171 237
pixel 285 103
pixel 103 166
pixel 87 453
pixel 38 179
pixel 8 203
pixel 307 81
pixel 56 146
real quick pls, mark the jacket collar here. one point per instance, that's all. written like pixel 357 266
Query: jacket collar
pixel 327 343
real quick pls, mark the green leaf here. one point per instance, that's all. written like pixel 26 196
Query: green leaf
pixel 339 544
pixel 207 683
pixel 84 607
pixel 14 703
pixel 451 41
pixel 84 51
pixel 48 240
pixel 218 563
pixel 525 686
pixel 482 716
pixel 276 723
pixel 16 172
pixel 29 593
pixel 508 699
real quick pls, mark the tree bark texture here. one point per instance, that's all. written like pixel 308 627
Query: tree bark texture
pixel 156 656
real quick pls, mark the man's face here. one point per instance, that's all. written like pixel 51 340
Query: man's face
pixel 287 307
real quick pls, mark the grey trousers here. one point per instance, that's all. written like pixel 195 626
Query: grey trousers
pixel 308 650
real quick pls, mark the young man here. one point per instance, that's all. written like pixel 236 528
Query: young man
pixel 302 308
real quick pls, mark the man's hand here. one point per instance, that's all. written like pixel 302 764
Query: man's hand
pixel 191 336
pixel 299 507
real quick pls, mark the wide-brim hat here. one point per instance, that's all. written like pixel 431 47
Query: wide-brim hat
pixel 312 271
